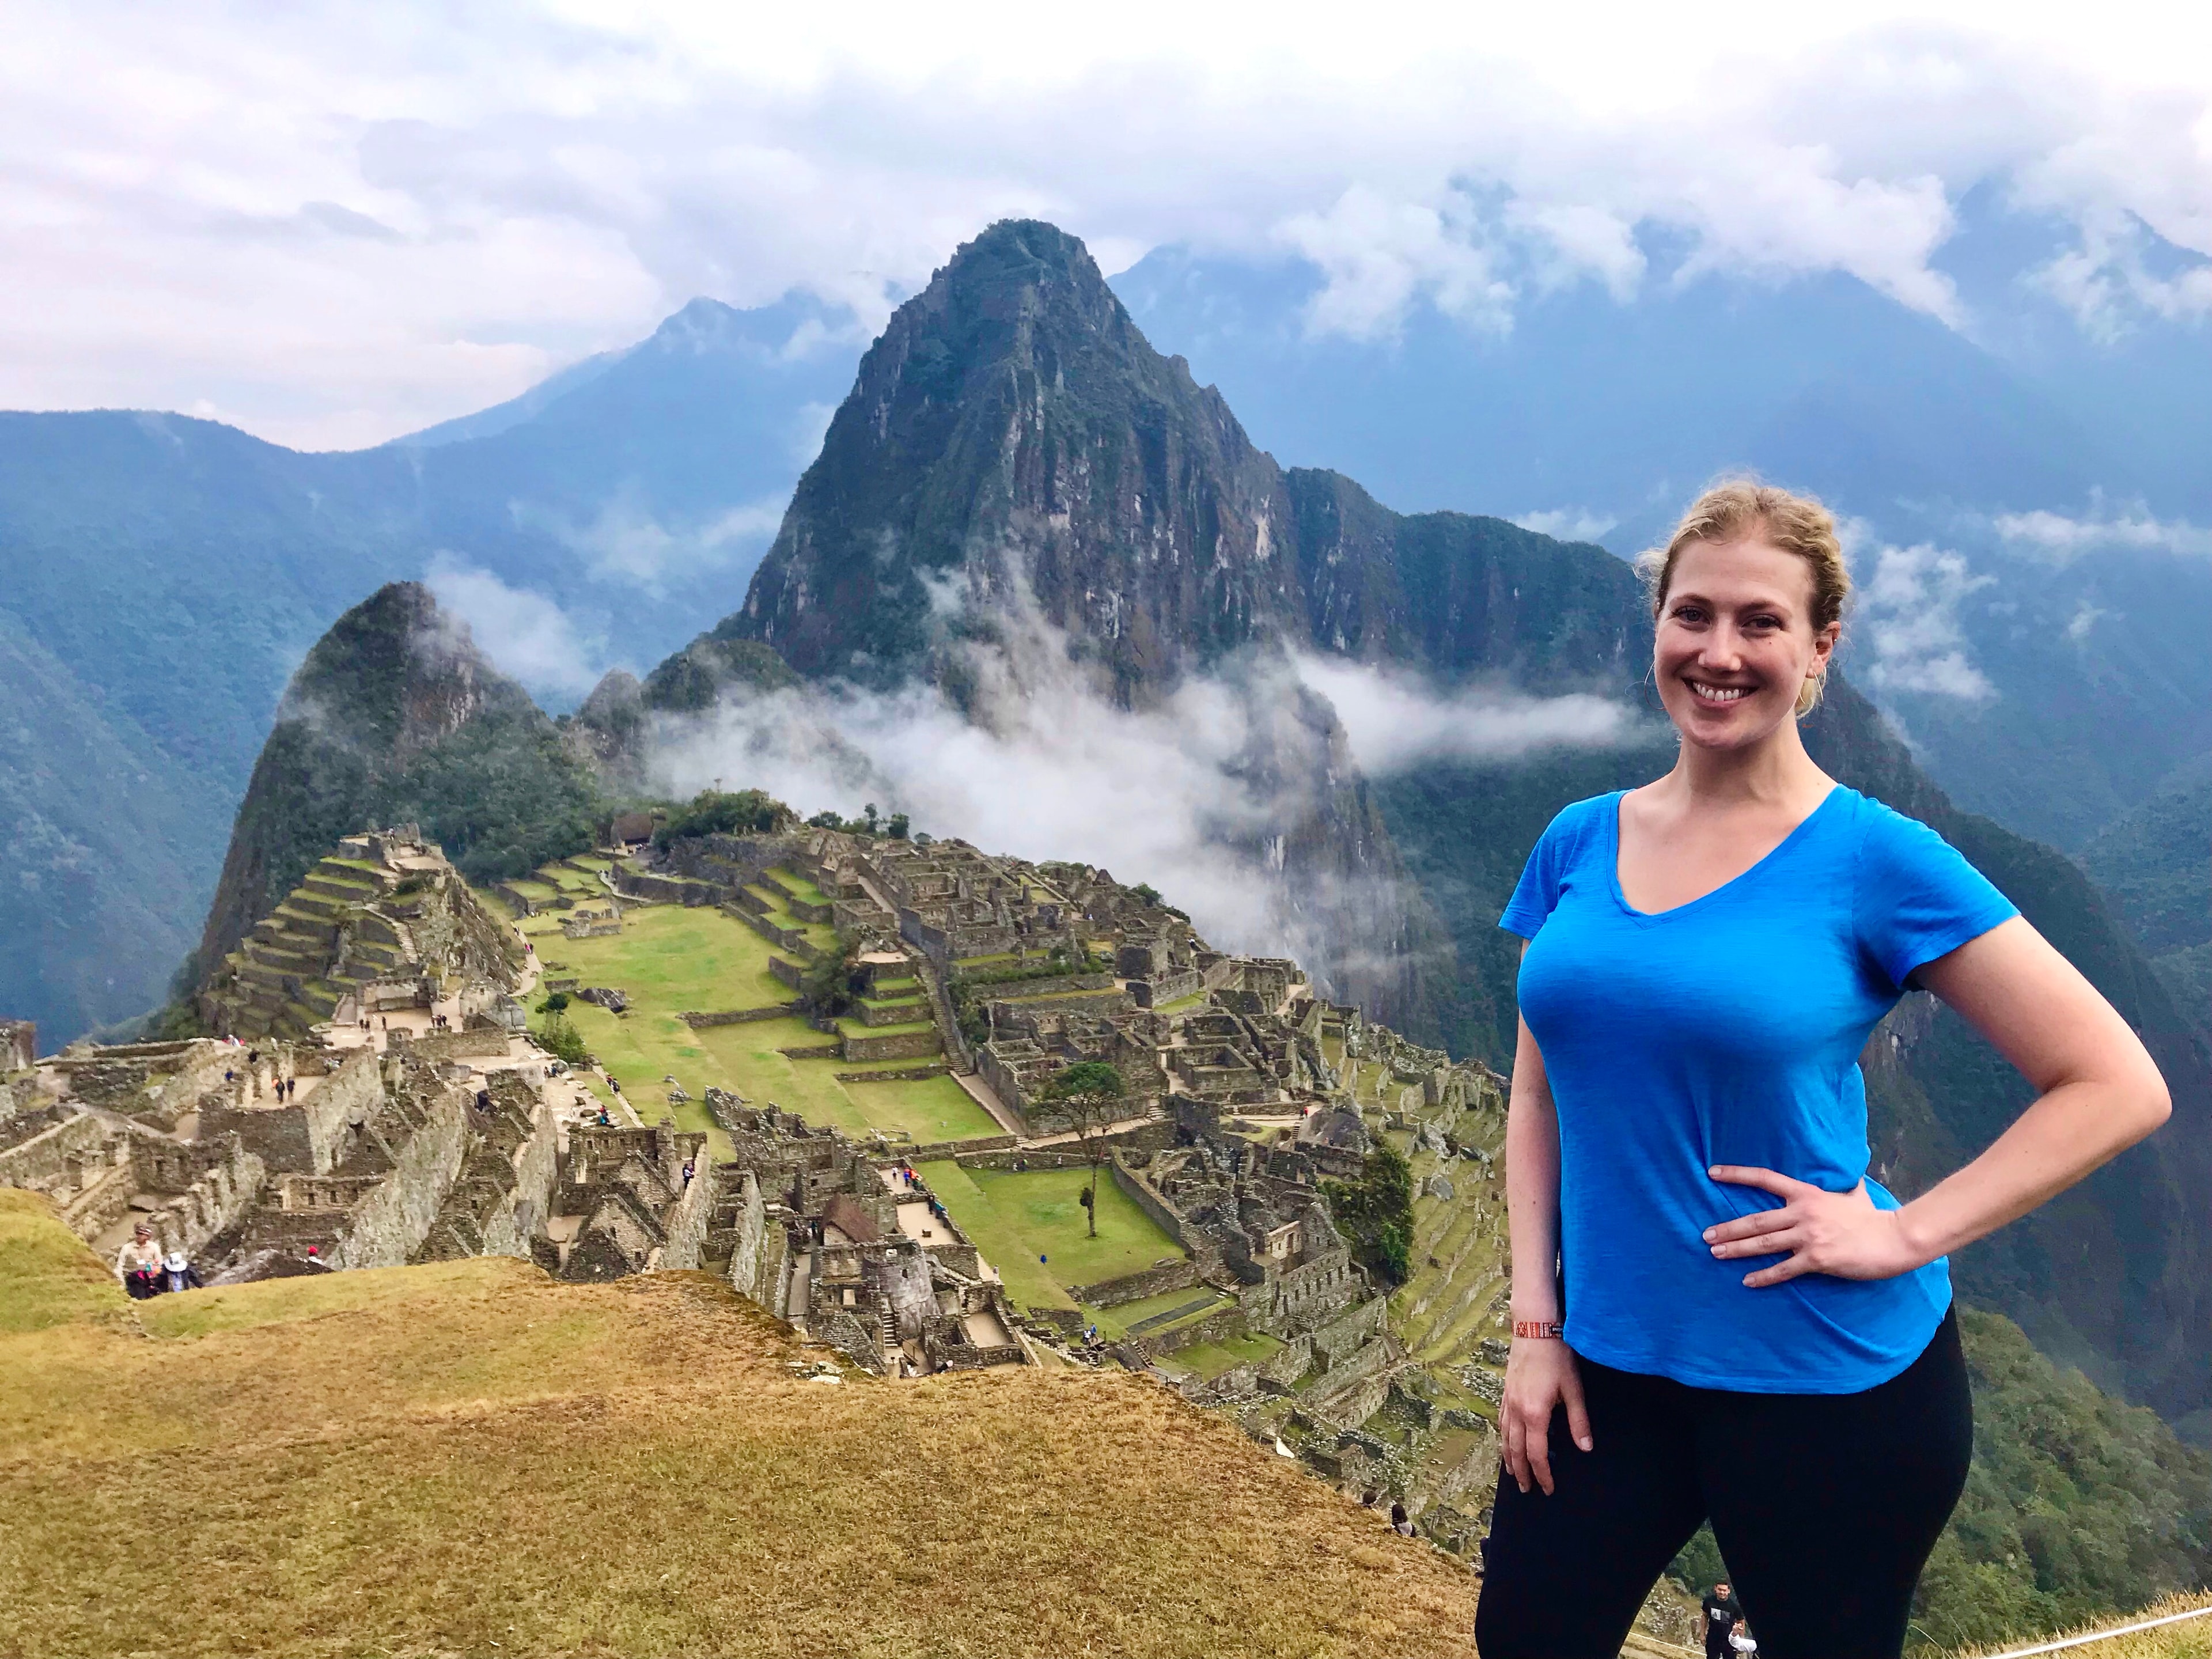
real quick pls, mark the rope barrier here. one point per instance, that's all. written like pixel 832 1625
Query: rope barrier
pixel 2102 1635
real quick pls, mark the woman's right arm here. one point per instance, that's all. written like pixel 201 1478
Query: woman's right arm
pixel 1540 1371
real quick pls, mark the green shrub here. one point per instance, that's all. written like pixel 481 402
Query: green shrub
pixel 1375 1213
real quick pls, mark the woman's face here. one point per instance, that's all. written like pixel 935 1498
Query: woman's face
pixel 1735 641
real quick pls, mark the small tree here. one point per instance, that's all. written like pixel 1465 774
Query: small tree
pixel 830 984
pixel 1088 1094
pixel 558 1037
pixel 898 827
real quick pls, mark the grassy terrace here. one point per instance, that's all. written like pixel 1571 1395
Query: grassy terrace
pixel 819 934
pixel 671 958
pixel 1013 1217
pixel 1208 1360
pixel 422 1461
pixel 1199 1300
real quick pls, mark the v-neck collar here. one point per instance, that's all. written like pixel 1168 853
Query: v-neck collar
pixel 1652 918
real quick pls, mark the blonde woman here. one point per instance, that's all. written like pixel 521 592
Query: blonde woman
pixel 1716 1315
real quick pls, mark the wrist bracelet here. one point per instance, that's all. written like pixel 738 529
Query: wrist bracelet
pixel 1538 1327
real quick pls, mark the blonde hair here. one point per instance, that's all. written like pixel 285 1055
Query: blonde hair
pixel 1795 524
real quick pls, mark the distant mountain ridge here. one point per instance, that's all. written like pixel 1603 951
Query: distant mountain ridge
pixel 166 575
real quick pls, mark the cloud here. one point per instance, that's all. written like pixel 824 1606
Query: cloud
pixel 526 636
pixel 625 542
pixel 1394 721
pixel 338 232
pixel 1376 256
pixel 1039 762
pixel 1221 796
pixel 2057 536
pixel 1568 524
pixel 1908 617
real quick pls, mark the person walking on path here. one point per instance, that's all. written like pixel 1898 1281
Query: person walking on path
pixel 1704 957
pixel 1720 1613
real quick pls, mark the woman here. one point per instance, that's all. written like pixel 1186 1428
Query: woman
pixel 1705 956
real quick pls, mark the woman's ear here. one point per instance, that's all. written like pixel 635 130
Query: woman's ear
pixel 1824 643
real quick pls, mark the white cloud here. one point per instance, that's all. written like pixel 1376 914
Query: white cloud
pixel 2057 536
pixel 336 226
pixel 1908 617
pixel 1568 524
pixel 526 636
pixel 2085 619
pixel 1394 721
pixel 1213 796
pixel 1377 256
pixel 625 542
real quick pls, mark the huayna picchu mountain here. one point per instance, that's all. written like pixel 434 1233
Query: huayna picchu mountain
pixel 1014 446
pixel 396 717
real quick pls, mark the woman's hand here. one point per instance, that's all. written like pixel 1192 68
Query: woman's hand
pixel 1820 1231
pixel 1539 1374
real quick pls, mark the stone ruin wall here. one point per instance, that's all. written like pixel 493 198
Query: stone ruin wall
pixel 746 1245
pixel 213 1193
pixel 311 1137
pixel 692 1215
pixel 383 1228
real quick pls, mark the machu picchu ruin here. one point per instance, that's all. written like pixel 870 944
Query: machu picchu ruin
pixel 855 1039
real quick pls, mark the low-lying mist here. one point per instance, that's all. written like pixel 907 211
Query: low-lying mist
pixel 1211 795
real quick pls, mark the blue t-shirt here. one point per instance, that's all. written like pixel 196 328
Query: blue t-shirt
pixel 1728 1031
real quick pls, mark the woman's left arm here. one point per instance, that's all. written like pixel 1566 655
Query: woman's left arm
pixel 2098 1093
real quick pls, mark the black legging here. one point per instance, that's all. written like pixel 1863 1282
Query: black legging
pixel 1825 1506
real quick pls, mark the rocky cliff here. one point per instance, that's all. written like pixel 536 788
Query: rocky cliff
pixel 395 717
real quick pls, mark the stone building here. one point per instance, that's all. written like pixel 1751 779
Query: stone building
pixel 839 1240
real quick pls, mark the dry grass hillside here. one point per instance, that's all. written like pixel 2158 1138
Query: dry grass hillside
pixel 470 1459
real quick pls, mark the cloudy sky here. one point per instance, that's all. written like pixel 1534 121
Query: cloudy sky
pixel 330 225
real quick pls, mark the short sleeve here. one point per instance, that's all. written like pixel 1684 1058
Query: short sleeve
pixel 1917 898
pixel 1537 894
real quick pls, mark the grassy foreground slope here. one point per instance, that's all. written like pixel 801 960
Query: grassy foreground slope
pixel 468 1458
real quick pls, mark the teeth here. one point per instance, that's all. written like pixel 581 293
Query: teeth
pixel 1719 693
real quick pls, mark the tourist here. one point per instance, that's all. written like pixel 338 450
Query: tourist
pixel 1399 1523
pixel 138 1264
pixel 177 1272
pixel 1686 1150
pixel 1720 1615
pixel 687 1172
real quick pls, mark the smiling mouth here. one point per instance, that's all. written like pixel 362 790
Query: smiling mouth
pixel 1717 696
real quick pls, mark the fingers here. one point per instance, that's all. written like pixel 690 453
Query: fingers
pixel 1781 1241
pixel 1578 1423
pixel 1539 1457
pixel 1780 1273
pixel 1516 1458
pixel 1751 1226
pixel 1767 1181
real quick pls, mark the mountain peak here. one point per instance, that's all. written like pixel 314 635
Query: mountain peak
pixel 1012 436
pixel 395 716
